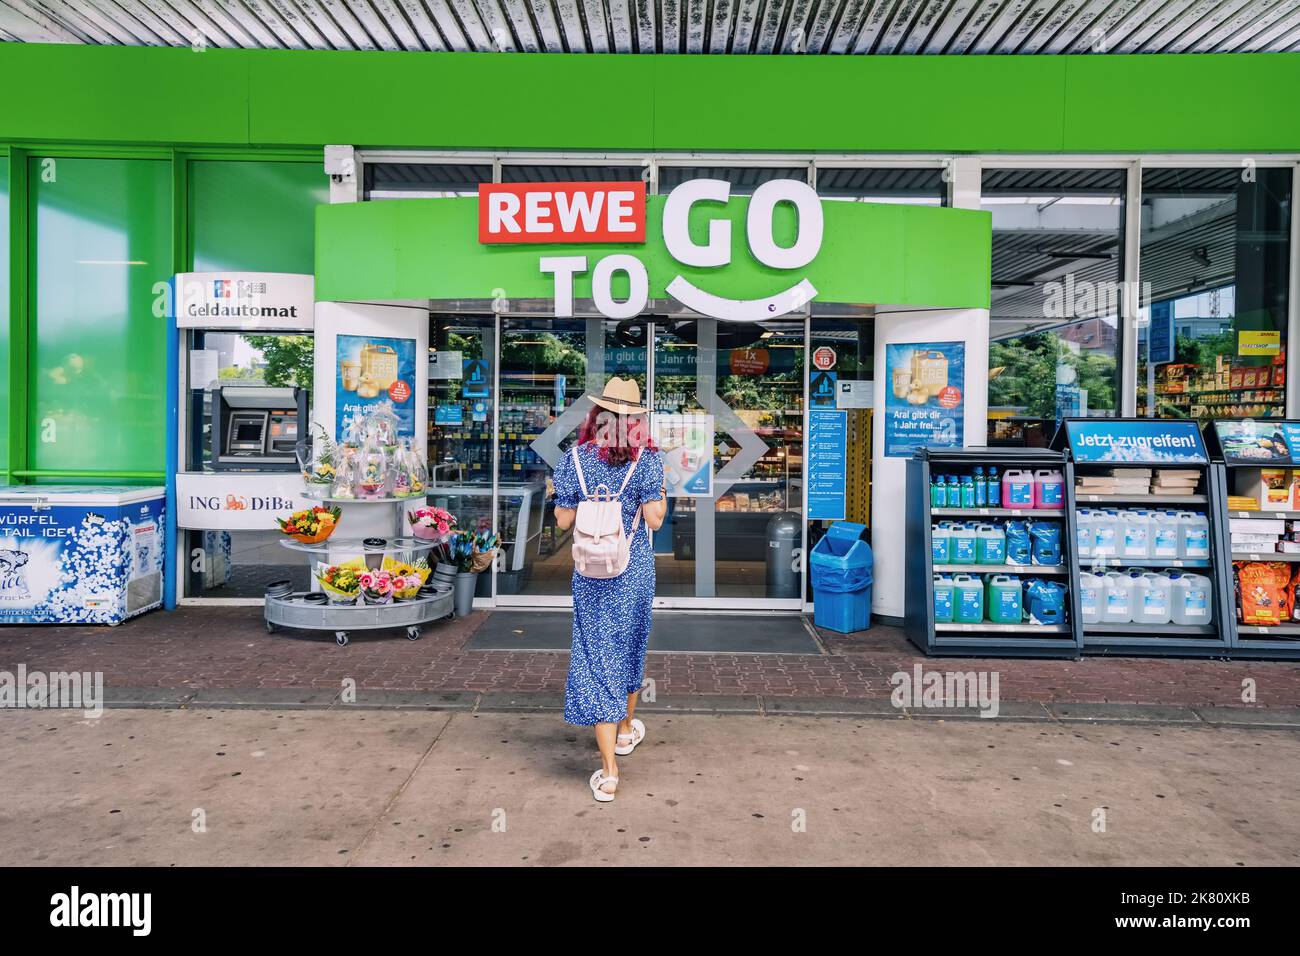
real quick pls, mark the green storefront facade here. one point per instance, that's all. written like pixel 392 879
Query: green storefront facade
pixel 121 166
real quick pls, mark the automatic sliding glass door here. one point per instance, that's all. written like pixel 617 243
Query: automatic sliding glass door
pixel 546 366
pixel 728 415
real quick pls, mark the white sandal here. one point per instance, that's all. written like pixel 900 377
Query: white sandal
pixel 598 779
pixel 636 736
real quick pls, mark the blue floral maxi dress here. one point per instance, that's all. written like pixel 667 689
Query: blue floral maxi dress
pixel 611 616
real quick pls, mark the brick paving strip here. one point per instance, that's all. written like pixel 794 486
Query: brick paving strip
pixel 224 657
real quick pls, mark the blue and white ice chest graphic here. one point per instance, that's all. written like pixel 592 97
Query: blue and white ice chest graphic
pixel 83 555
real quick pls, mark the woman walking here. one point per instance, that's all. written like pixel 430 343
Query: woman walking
pixel 611 614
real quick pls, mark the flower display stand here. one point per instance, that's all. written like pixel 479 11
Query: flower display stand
pixel 294 610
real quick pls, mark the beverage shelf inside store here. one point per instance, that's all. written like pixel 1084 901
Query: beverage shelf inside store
pixel 1274 515
pixel 1003 568
pixel 1265 556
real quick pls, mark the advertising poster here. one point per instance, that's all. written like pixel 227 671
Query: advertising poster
pixel 686 446
pixel 828 464
pixel 924 404
pixel 1253 442
pixel 372 371
pixel 1157 442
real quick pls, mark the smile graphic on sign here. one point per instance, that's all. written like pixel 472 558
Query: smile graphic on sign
pixel 577 212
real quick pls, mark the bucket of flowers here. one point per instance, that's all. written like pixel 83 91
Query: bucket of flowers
pixel 311 525
pixel 341 582
pixel 412 576
pixel 431 524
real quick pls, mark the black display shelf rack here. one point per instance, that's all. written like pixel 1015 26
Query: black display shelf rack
pixel 1140 639
pixel 985 639
pixel 1253 641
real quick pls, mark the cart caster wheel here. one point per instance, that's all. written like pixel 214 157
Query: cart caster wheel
pixel 341 638
pixel 413 633
pixel 270 628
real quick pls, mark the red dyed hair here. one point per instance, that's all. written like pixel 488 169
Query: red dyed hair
pixel 618 438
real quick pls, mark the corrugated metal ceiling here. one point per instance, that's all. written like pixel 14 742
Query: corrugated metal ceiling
pixel 671 26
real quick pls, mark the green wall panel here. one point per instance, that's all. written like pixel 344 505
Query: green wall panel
pixel 100 240
pixel 4 315
pixel 871 253
pixel 123 94
pixel 453 100
pixel 150 95
pixel 852 103
pixel 254 216
pixel 1180 103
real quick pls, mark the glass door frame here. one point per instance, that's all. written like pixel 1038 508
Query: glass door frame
pixel 565 601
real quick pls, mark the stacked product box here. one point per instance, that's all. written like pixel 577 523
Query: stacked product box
pixel 1159 482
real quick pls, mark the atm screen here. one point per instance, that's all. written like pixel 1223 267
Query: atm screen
pixel 248 432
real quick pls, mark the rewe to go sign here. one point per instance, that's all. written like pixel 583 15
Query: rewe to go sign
pixel 555 213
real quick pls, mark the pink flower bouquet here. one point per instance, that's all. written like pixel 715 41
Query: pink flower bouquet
pixel 380 587
pixel 431 524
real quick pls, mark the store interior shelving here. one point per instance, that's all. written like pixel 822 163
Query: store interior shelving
pixel 986 637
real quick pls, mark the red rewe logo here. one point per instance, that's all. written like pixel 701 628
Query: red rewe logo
pixel 561 212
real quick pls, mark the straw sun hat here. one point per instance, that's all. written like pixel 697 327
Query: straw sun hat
pixel 621 395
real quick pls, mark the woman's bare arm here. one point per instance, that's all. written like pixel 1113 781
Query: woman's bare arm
pixel 654 512
pixel 564 517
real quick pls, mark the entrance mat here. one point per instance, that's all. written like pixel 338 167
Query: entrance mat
pixel 678 631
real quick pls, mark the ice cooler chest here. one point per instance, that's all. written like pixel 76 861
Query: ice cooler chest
pixel 79 555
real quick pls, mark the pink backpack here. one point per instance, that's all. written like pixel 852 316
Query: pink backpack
pixel 601 549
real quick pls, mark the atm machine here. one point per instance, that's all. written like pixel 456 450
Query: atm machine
pixel 256 428
pixel 231 446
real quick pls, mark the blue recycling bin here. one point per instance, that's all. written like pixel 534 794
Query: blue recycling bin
pixel 840 567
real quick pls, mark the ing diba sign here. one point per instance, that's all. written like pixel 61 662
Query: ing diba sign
pixel 615 212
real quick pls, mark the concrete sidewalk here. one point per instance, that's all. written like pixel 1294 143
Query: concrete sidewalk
pixel 338 786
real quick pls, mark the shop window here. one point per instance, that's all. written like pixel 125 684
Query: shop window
pixel 255 216
pixel 424 180
pixel 1057 291
pixel 4 317
pixel 101 243
pixel 923 187
pixel 1212 332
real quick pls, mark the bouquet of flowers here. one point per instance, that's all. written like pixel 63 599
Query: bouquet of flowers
pixel 431 524
pixel 311 525
pixel 318 463
pixel 470 552
pixel 411 576
pixel 380 587
pixel 409 475
pixel 341 582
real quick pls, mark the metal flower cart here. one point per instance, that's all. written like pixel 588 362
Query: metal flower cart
pixel 381 521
